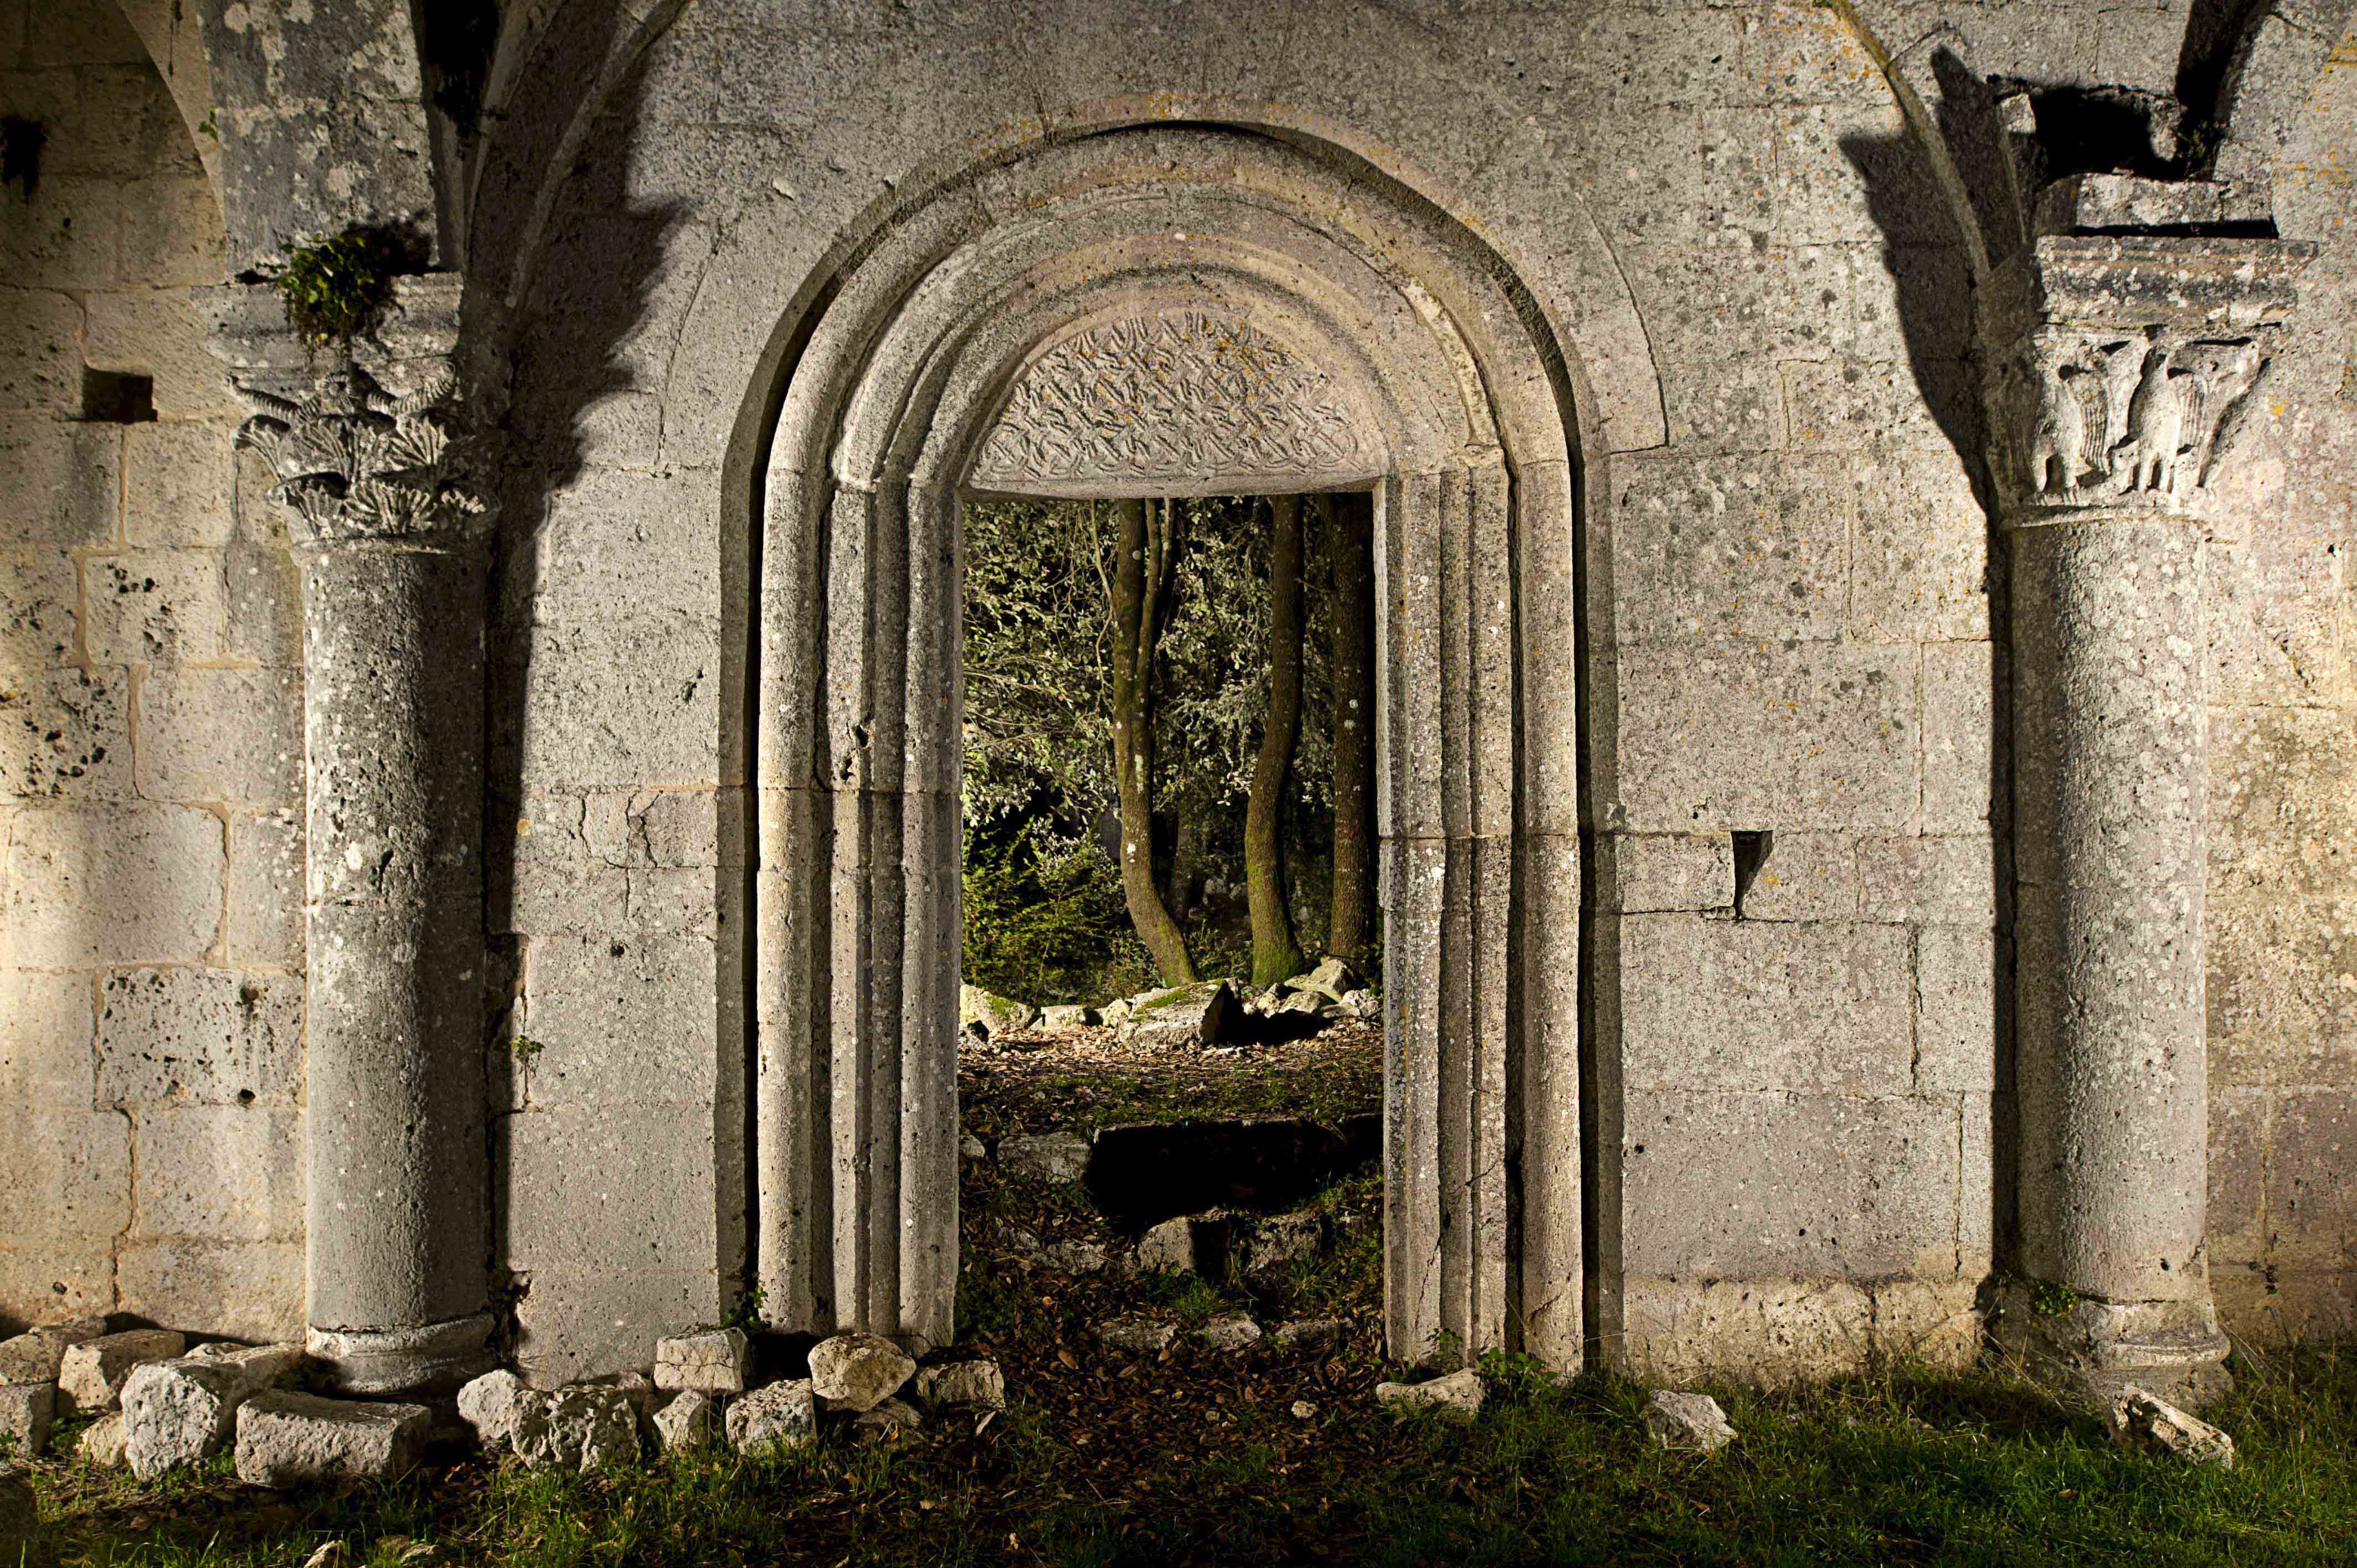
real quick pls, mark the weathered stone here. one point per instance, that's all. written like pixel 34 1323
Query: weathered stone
pixel 1139 1335
pixel 1203 1014
pixel 1456 1396
pixel 1064 1017
pixel 91 1377
pixel 490 1404
pixel 37 1355
pixel 2142 1420
pixel 1050 1156
pixel 1316 1334
pixel 1178 1246
pixel 1332 979
pixel 1115 1013
pixel 962 1385
pixel 690 1421
pixel 286 1439
pixel 1692 1423
pixel 26 1409
pixel 582 1429
pixel 858 1371
pixel 717 1361
pixel 997 1015
pixel 102 1441
pixel 781 1416
pixel 178 1413
pixel 1360 1004
pixel 1310 1003
pixel 1230 1331
pixel 886 1422
pixel 1265 1244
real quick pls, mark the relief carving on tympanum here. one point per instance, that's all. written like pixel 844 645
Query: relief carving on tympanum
pixel 1183 397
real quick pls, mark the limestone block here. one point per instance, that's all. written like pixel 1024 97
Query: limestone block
pixel 1456 1396
pixel 1202 1014
pixel 251 1289
pixel 2280 825
pixel 1845 174
pixel 2143 1420
pixel 586 1318
pixel 1743 1004
pixel 1955 1025
pixel 682 828
pixel 64 474
pixel 161 333
pixel 582 1429
pixel 1315 1336
pixel 37 1355
pixel 66 734
pixel 781 1416
pixel 1049 1156
pixel 1188 1245
pixel 172 232
pixel 41 599
pixel 581 1185
pixel 1958 737
pixel 178 1412
pixel 887 1422
pixel 1805 876
pixel 231 1171
pixel 1775 1332
pixel 46 1039
pixel 2093 203
pixel 1138 1334
pixel 91 1378
pixel 266 889
pixel 102 1441
pixel 1263 1245
pixel 286 1439
pixel 490 1405
pixel 265 601
pixel 717 1361
pixel 202 1037
pixel 26 1409
pixel 155 606
pixel 689 1421
pixel 1918 561
pixel 176 479
pixel 962 1385
pixel 1667 871
pixel 1933 881
pixel 1229 1332
pixel 1719 546
pixel 858 1371
pixel 605 528
pixel 40 363
pixel 673 902
pixel 622 700
pixel 68 234
pixel 1063 1018
pixel 621 1021
pixel 62 1273
pixel 69 1174
pixel 222 734
pixel 1688 1423
pixel 997 1015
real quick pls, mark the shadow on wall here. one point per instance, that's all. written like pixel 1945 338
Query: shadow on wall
pixel 1935 293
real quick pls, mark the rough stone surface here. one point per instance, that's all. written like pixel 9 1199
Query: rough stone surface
pixel 887 1422
pixel 2143 1420
pixel 781 1416
pixel 491 1403
pixel 1308 1334
pixel 858 1371
pixel 713 1362
pixel 178 1412
pixel 1204 1014
pixel 286 1439
pixel 102 1439
pixel 582 1429
pixel 26 1412
pixel 1455 1396
pixel 92 1375
pixel 1230 1331
pixel 1050 1156
pixel 1137 1335
pixel 1687 1422
pixel 37 1355
pixel 689 1421
pixel 997 1015
pixel 962 1385
pixel 1063 1017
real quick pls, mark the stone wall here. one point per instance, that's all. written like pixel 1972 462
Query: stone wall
pixel 151 1042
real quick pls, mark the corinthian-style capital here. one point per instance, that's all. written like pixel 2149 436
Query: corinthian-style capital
pixel 2125 368
pixel 354 462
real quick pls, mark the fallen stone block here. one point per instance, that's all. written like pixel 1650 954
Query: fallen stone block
pixel 1140 1336
pixel 858 1371
pixel 715 1362
pixel 1065 1017
pixel 178 1412
pixel 1689 1423
pixel 26 1409
pixel 1230 1331
pixel 689 1421
pixel 2143 1420
pixel 1310 1333
pixel 490 1405
pixel 287 1439
pixel 20 1521
pixel 36 1355
pixel 886 1422
pixel 1050 1156
pixel 1202 1014
pixel 260 1364
pixel 1269 1242
pixel 997 1015
pixel 582 1429
pixel 1454 1397
pixel 1115 1014
pixel 962 1385
pixel 92 1375
pixel 1307 1001
pixel 1192 1243
pixel 1360 1004
pixel 1332 979
pixel 102 1441
pixel 781 1416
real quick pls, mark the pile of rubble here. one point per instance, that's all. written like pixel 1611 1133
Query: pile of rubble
pixel 1199 1014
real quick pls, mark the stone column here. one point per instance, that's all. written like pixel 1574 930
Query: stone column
pixel 2124 368
pixel 392 557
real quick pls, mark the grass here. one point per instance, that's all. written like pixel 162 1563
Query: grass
pixel 1907 1465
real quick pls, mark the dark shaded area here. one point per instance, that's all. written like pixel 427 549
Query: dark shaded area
pixel 110 397
pixel 2214 32
pixel 454 42
pixel 20 155
pixel 1141 1175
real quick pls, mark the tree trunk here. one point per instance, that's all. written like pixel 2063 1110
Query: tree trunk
pixel 1276 955
pixel 1182 857
pixel 1352 531
pixel 1145 562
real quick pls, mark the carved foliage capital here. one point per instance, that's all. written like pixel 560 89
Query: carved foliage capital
pixel 355 462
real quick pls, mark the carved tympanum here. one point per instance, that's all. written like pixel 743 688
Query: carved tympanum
pixel 2102 417
pixel 353 461
pixel 1178 397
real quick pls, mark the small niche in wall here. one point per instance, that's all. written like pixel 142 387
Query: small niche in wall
pixel 1752 847
pixel 112 398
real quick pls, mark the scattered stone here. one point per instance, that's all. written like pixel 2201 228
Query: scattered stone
pixel 691 1420
pixel 1360 1004
pixel 1456 1397
pixel 1065 1017
pixel 886 1422
pixel 1687 1423
pixel 578 1428
pixel 2141 1419
pixel 331 1555
pixel 962 1385
pixel 1115 1014
pixel 1172 1247
pixel 715 1362
pixel 858 1371
pixel 102 1441
pixel 491 1403
pixel 1051 1156
pixel 20 1521
pixel 997 1015
pixel 1303 1409
pixel 1307 1001
pixel 1269 1242
pixel 284 1439
pixel 1230 1331
pixel 36 1355
pixel 178 1412
pixel 1313 1334
pixel 971 1147
pixel 1202 1014
pixel 782 1415
pixel 91 1377
pixel 1078 1259
pixel 26 1409
pixel 1332 979
pixel 1140 1335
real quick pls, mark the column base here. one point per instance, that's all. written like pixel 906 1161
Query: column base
pixel 2088 1349
pixel 433 1358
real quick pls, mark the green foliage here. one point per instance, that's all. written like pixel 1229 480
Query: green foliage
pixel 336 290
pixel 1044 920
pixel 2050 1298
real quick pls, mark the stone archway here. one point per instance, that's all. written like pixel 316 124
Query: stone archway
pixel 1167 311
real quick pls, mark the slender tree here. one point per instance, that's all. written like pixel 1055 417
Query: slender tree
pixel 1351 536
pixel 1276 955
pixel 1145 564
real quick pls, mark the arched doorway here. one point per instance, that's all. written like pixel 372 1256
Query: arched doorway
pixel 1170 310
